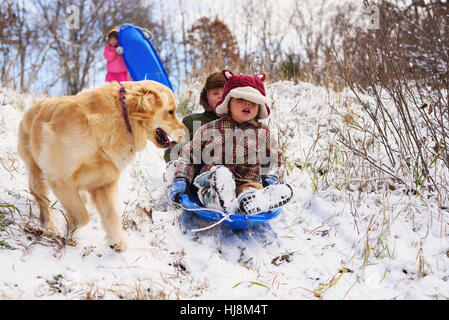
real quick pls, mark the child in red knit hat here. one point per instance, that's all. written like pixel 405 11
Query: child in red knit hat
pixel 115 66
pixel 236 156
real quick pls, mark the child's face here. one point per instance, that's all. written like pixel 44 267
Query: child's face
pixel 113 42
pixel 213 95
pixel 243 110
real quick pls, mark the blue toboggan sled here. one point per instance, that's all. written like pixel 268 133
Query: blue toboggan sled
pixel 141 59
pixel 236 221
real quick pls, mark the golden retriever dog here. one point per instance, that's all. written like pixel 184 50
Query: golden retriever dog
pixel 83 142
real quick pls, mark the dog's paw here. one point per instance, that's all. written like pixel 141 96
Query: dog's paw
pixel 118 245
pixel 50 228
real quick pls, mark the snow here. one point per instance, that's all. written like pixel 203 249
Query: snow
pixel 332 241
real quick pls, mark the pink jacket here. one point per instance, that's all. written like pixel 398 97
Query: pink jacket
pixel 115 63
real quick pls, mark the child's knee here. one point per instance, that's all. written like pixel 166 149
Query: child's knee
pixel 247 187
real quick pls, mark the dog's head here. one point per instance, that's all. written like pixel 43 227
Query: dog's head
pixel 153 106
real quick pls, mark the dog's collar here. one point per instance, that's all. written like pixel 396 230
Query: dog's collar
pixel 124 108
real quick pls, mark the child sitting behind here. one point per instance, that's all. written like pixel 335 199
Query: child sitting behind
pixel 210 94
pixel 115 66
pixel 235 156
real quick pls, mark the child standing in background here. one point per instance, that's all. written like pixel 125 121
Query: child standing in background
pixel 116 68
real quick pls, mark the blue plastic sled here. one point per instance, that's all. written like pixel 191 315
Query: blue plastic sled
pixel 239 221
pixel 140 57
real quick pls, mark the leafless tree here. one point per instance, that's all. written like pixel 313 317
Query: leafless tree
pixel 78 29
pixel 210 45
pixel 22 46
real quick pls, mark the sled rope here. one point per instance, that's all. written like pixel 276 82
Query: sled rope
pixel 225 217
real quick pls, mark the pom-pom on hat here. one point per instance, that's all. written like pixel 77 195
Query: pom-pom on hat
pixel 250 88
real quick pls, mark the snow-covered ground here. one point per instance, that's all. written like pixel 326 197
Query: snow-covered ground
pixel 330 242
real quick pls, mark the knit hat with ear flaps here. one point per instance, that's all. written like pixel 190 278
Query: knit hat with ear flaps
pixel 213 81
pixel 250 88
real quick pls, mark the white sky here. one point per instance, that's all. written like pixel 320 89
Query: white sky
pixel 236 15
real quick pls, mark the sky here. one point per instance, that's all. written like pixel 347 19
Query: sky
pixel 238 16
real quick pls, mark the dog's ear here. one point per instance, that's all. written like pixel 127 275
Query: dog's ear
pixel 143 90
pixel 140 116
pixel 150 94
pixel 145 99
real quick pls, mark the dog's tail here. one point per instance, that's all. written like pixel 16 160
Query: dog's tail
pixel 24 145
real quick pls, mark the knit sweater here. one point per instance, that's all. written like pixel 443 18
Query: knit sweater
pixel 248 149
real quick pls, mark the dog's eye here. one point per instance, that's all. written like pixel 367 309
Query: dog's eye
pixel 171 112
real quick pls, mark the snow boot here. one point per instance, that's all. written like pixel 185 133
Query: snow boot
pixel 268 198
pixel 217 189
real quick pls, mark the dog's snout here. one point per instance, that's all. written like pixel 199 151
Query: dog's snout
pixel 183 132
pixel 179 134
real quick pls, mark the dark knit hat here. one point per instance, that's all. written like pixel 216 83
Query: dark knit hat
pixel 213 81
